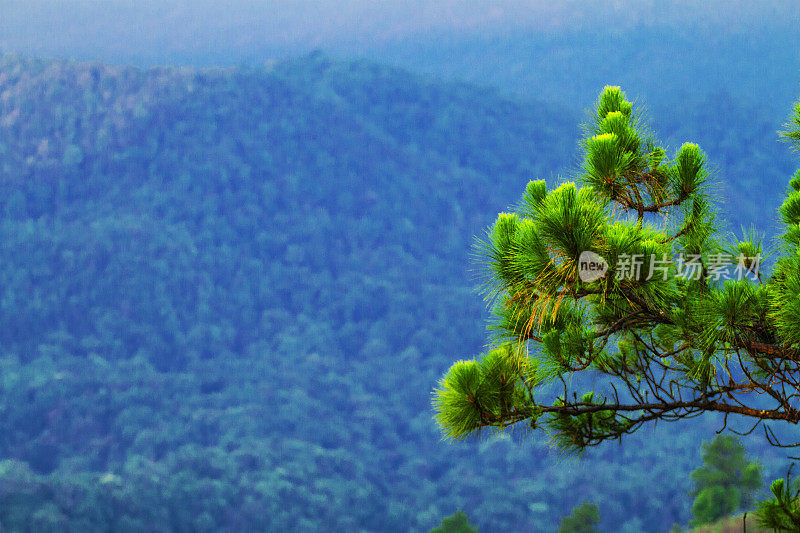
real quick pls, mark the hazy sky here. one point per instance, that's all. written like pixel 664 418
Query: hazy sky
pixel 150 31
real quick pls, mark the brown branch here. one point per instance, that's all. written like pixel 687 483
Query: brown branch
pixel 775 351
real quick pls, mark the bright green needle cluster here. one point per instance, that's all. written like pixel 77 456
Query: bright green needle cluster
pixel 781 512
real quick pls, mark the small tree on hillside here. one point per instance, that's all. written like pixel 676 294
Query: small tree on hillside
pixel 584 519
pixel 726 481
pixel 455 523
pixel 618 303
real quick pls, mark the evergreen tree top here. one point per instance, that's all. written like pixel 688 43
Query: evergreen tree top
pixel 617 301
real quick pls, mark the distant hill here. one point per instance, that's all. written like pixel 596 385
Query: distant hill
pixel 225 297
pixel 245 283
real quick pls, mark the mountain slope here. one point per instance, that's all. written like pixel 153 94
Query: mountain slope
pixel 223 276
pixel 227 294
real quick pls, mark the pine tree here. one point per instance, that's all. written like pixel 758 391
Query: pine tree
pixel 726 481
pixel 618 302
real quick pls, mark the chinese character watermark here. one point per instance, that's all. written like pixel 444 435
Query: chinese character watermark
pixel 716 267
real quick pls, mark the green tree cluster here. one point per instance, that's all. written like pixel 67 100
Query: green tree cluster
pixel 726 482
pixel 458 522
pixel 584 519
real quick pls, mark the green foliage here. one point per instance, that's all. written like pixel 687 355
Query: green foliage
pixel 476 391
pixel 533 258
pixel 781 512
pixel 726 482
pixel 612 100
pixel 568 430
pixel 628 347
pixel 793 130
pixel 455 523
pixel 584 519
pixel 690 170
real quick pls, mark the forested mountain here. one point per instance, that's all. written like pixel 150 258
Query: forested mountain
pixel 226 295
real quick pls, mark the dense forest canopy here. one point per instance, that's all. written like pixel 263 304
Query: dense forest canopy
pixel 226 293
